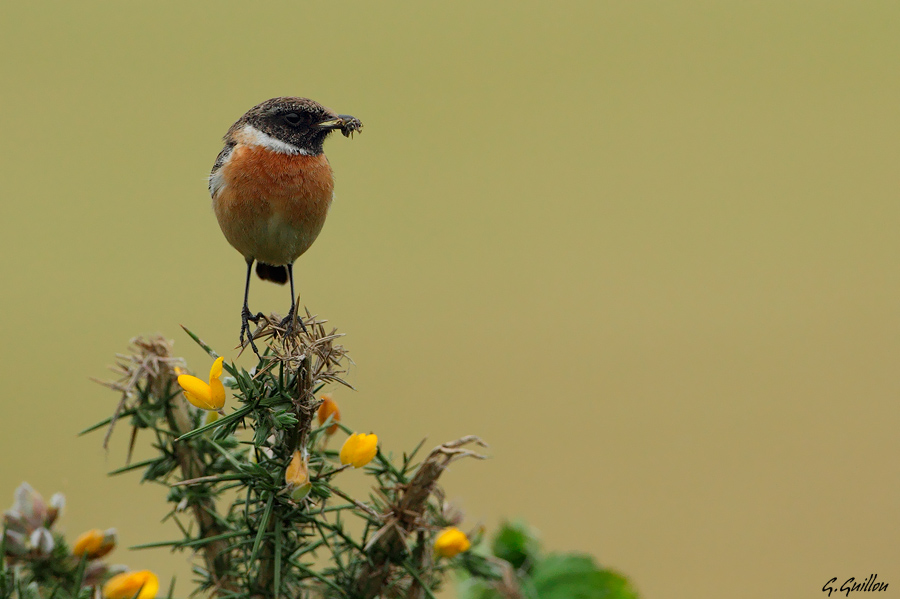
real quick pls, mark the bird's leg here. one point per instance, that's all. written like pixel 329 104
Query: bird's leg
pixel 288 322
pixel 246 316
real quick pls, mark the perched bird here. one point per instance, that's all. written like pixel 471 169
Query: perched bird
pixel 272 186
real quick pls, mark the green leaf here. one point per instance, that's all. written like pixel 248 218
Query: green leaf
pixel 474 588
pixel 425 588
pixel 103 423
pixel 155 545
pixel 278 541
pixel 285 419
pixel 576 576
pixel 79 572
pixel 30 591
pixel 478 566
pixel 207 540
pixel 236 415
pixel 517 543
pixel 263 523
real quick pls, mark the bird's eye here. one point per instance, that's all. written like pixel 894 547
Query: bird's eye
pixel 292 119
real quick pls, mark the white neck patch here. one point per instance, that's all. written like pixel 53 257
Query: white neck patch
pixel 252 136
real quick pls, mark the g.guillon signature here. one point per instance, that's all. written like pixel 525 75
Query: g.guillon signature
pixel 851 585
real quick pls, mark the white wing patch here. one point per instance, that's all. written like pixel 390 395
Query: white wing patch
pixel 217 177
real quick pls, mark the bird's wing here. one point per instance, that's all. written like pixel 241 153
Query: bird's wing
pixel 216 180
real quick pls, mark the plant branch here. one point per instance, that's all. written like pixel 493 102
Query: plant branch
pixel 406 516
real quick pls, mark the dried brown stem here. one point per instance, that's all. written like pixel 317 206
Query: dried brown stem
pixel 215 554
pixel 151 360
pixel 405 518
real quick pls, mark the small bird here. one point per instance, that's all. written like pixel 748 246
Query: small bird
pixel 271 187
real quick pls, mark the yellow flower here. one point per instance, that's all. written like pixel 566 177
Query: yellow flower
pixel 329 408
pixel 95 543
pixel 359 449
pixel 297 477
pixel 205 396
pixel 451 541
pixel 127 585
pixel 297 472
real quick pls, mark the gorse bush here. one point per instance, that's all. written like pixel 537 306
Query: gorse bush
pixel 254 462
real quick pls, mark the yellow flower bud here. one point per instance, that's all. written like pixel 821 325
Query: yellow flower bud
pixel 297 477
pixel 359 449
pixel 95 543
pixel 297 472
pixel 127 585
pixel 206 396
pixel 329 408
pixel 450 542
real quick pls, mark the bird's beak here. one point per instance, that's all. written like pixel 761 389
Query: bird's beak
pixel 346 123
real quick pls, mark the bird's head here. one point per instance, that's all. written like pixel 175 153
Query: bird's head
pixel 291 125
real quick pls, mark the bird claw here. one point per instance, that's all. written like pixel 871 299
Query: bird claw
pixel 246 318
pixel 289 321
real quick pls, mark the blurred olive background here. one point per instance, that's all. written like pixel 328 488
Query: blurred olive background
pixel 649 252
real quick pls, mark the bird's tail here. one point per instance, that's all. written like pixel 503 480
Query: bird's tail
pixel 276 274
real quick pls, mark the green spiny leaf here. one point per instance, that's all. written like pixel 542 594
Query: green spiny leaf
pixel 234 416
pixel 263 522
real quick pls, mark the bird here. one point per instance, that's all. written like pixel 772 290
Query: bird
pixel 271 188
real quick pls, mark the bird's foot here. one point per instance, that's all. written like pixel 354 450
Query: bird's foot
pixel 246 318
pixel 290 321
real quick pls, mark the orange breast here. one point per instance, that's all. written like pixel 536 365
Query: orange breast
pixel 272 206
